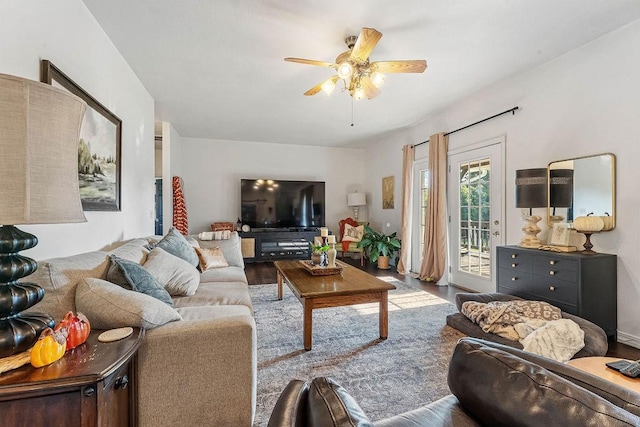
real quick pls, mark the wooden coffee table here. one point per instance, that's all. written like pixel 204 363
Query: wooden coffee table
pixel 597 366
pixel 352 286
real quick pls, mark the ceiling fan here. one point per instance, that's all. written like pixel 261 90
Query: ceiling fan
pixel 362 78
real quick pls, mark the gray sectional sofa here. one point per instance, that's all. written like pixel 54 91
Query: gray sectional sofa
pixel 197 362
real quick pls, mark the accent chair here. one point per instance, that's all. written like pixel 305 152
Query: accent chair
pixel 349 246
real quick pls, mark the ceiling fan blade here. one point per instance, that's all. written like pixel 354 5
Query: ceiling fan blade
pixel 410 66
pixel 309 62
pixel 367 40
pixel 317 88
pixel 370 90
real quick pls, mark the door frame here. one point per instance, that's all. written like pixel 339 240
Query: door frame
pixel 416 256
pixel 501 142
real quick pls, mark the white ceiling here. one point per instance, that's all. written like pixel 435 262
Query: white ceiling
pixel 216 69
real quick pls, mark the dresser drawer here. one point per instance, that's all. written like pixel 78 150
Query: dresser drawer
pixel 543 272
pixel 554 262
pixel 514 259
pixel 513 279
pixel 551 289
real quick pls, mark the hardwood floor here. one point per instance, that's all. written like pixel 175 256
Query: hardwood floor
pixel 264 272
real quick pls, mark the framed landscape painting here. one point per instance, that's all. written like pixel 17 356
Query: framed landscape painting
pixel 99 148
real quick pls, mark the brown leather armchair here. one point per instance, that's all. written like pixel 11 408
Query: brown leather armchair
pixel 492 385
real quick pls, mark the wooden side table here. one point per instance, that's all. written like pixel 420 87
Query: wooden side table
pixel 596 366
pixel 92 385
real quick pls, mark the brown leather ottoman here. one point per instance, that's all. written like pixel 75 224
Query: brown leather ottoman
pixel 595 339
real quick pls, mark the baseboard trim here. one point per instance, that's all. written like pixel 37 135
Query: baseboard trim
pixel 629 339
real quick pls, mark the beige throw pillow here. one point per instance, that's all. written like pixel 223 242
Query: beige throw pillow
pixel 176 275
pixel 353 234
pixel 108 306
pixel 211 258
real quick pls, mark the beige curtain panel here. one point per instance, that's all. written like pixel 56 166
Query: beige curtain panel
pixel 404 264
pixel 434 255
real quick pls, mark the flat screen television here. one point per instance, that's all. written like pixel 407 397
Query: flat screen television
pixel 280 204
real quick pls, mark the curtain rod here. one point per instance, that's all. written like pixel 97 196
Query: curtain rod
pixel 512 111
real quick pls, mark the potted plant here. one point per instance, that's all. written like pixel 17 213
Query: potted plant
pixel 378 246
pixel 317 253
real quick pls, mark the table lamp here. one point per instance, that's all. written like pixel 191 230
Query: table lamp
pixel 355 200
pixel 39 133
pixel 531 192
pixel 560 191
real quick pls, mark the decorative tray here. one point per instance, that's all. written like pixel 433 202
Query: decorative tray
pixel 317 270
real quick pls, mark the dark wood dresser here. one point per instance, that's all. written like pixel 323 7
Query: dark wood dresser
pixel 580 284
pixel 92 385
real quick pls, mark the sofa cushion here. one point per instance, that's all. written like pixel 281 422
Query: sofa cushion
pixel 176 244
pixel 614 393
pixel 213 312
pixel 227 274
pixel 59 278
pixel 141 280
pixel 211 258
pixel 115 274
pixel 177 276
pixel 328 404
pixel 230 248
pixel 228 293
pixel 108 306
pixel 133 250
pixel 529 395
pixel 445 412
pixel 291 408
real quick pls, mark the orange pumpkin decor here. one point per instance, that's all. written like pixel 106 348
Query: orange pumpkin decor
pixel 77 328
pixel 49 348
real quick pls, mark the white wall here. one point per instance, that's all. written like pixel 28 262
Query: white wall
pixel 583 103
pixel 212 169
pixel 64 32
pixel 171 166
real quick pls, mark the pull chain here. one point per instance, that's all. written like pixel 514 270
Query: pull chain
pixel 352 111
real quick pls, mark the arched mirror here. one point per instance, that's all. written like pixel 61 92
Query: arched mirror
pixel 580 186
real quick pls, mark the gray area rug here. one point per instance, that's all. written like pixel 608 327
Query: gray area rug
pixel 386 377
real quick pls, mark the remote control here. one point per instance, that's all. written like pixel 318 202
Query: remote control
pixel 618 364
pixel 633 370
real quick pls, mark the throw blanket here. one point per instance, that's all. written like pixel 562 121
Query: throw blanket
pixel 499 317
pixel 180 221
pixel 556 339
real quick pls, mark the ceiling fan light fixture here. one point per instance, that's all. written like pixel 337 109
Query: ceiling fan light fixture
pixel 378 79
pixel 328 86
pixel 345 70
pixel 362 78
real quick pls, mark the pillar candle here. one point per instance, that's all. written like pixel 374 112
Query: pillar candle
pixel 324 232
pixel 331 238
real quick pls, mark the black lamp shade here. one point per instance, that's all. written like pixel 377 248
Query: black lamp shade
pixel 561 188
pixel 531 188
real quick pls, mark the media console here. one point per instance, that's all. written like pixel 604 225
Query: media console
pixel 271 245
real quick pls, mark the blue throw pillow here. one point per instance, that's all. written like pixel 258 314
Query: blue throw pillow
pixel 175 243
pixel 141 280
